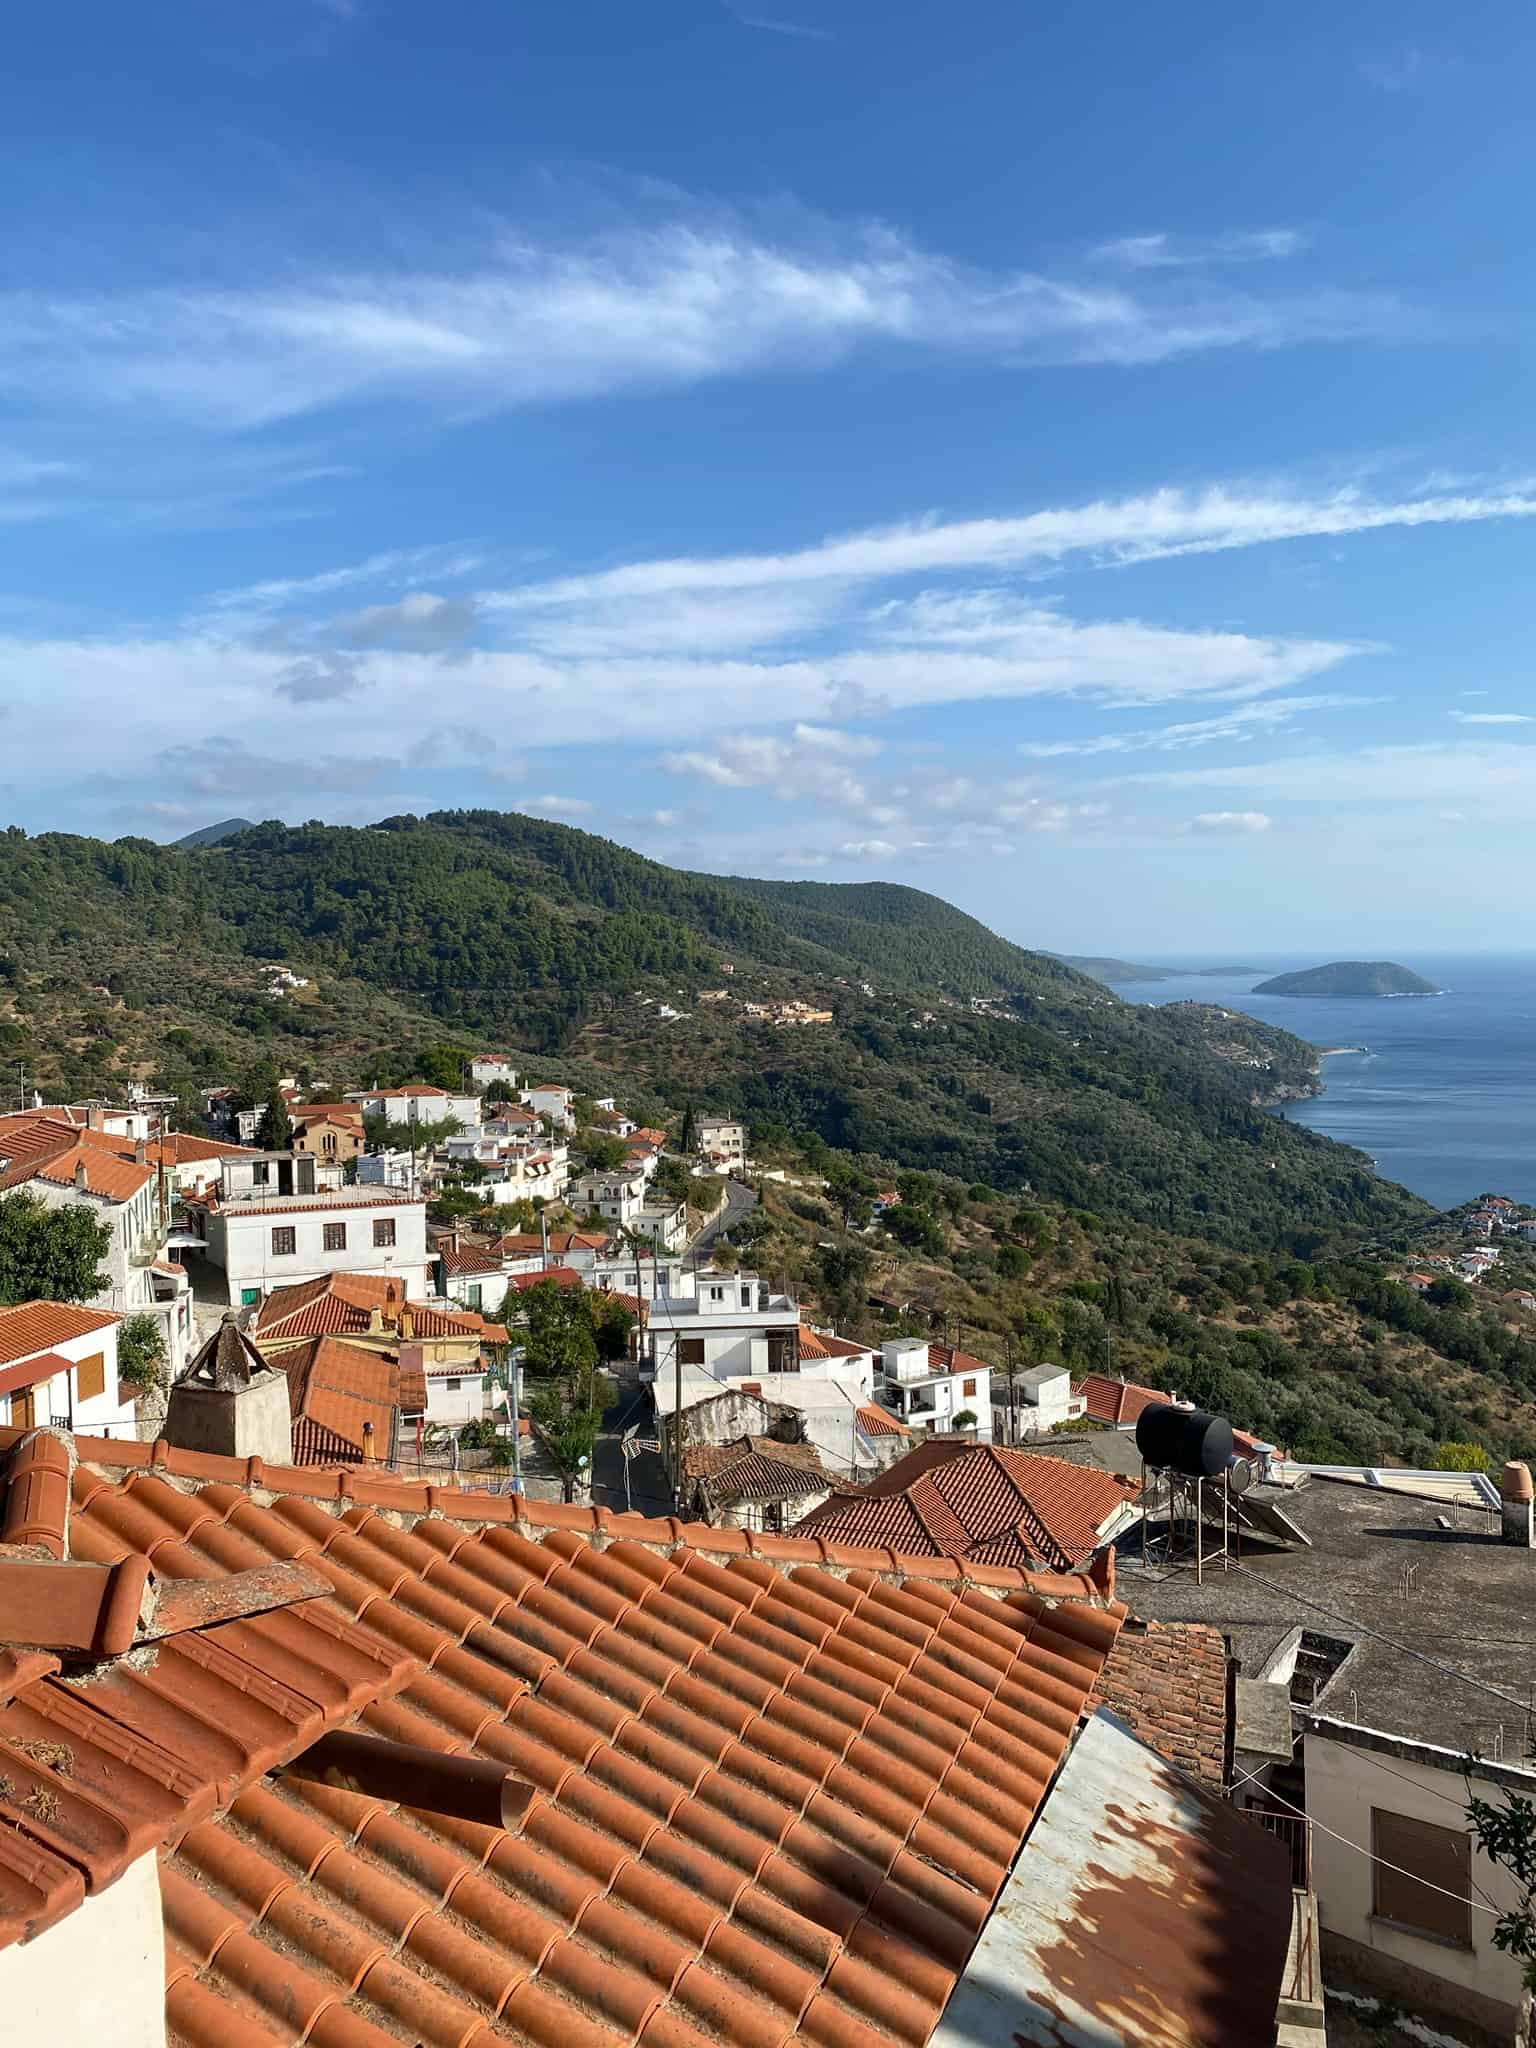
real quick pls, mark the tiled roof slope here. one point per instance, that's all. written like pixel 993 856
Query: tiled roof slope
pixel 814 1345
pixel 876 1421
pixel 777 1784
pixel 39 1147
pixel 342 1304
pixel 1173 1687
pixel 32 1326
pixel 997 1506
pixel 334 1388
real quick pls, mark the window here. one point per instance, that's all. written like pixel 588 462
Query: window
pixel 261 1174
pixel 249 1296
pixel 967 1387
pixel 285 1241
pixel 453 1386
pixel 690 1350
pixel 383 1232
pixel 1437 1856
pixel 476 1294
pixel 328 1142
pixel 91 1376
pixel 334 1236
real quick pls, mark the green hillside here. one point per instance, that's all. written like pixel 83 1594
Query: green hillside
pixel 970 1056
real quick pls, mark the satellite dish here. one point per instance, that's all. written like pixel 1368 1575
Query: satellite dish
pixel 1240 1476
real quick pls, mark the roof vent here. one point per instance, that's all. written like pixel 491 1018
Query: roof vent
pixel 1515 1506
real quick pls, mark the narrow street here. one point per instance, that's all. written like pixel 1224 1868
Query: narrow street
pixel 648 1492
pixel 739 1201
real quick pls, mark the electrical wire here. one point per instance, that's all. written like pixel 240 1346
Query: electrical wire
pixel 1523 1707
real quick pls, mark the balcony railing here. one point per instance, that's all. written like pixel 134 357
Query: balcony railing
pixel 1295 1830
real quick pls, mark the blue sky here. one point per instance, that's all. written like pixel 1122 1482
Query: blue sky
pixel 1078 462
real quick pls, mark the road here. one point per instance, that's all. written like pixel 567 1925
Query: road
pixel 649 1493
pixel 739 1201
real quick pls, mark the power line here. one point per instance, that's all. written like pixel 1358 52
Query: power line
pixel 1403 1649
pixel 1370 1855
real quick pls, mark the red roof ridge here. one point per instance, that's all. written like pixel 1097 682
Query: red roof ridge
pixel 353 1488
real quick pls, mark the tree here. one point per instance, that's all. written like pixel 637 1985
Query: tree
pixel 1507 1836
pixel 602 1153
pixel 50 1254
pixel 1459 1457
pixel 140 1353
pixel 442 1065
pixel 612 1325
pixel 689 1132
pixel 500 1091
pixel 275 1131
pixel 966 1419
pixel 569 1430
pixel 672 1179
pixel 562 1343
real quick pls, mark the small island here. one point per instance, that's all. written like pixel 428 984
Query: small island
pixel 1350 978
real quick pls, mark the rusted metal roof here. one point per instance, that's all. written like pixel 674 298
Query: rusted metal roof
pixel 1145 1913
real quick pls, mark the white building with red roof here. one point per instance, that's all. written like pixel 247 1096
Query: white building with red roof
pixel 58 1365
pixel 274 1222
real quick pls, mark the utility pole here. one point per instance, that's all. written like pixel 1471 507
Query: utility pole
pixel 1013 1419
pixel 517 1442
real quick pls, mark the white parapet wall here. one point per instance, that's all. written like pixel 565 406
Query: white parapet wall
pixel 97 1979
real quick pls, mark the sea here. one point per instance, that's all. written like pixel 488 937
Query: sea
pixel 1439 1090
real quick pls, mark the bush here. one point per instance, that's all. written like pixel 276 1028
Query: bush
pixel 140 1353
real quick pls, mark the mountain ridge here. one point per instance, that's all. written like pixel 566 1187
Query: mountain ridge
pixel 968 1054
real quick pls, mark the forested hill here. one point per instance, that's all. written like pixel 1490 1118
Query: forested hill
pixel 950 1048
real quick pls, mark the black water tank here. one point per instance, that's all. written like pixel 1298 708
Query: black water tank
pixel 1185 1440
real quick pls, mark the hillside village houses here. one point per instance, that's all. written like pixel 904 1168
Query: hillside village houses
pixel 418 1102
pixel 723 1141
pixel 328 1130
pixel 486 1068
pixel 278 1218
pixel 551 1100
pixel 935 1387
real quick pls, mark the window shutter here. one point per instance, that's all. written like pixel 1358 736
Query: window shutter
pixel 91 1376
pixel 1440 1857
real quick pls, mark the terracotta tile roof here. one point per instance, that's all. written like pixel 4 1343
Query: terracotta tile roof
pixel 983 1502
pixel 33 1371
pixel 758 1468
pixel 1173 1685
pixel 329 1112
pixel 776 1785
pixel 176 1148
pixel 561 1276
pixel 517 1243
pixel 333 1389
pixel 948 1358
pixel 341 1304
pixel 33 1326
pixel 877 1421
pixel 814 1345
pixel 38 1147
pixel 467 1258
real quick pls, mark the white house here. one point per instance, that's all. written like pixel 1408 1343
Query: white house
pixel 648 1278
pixel 722 1140
pixel 552 1101
pixel 930 1385
pixel 418 1102
pixel 1046 1400
pixel 386 1170
pixel 289 1226
pixel 617 1197
pixel 664 1223
pixel 487 1067
pixel 58 1364
pixel 733 1328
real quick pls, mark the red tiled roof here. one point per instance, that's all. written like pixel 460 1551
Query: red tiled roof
pixel 333 1389
pixel 332 1112
pixel 467 1258
pixel 39 1147
pixel 341 1304
pixel 776 1787
pixel 562 1276
pixel 515 1243
pixel 33 1326
pixel 877 1421
pixel 983 1502
pixel 814 1345
pixel 947 1358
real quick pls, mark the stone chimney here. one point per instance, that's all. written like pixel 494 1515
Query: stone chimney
pixel 140 1152
pixel 375 1321
pixel 95 1118
pixel 407 1322
pixel 1515 1502
pixel 82 1178
pixel 231 1402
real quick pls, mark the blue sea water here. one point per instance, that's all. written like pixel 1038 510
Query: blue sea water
pixel 1444 1096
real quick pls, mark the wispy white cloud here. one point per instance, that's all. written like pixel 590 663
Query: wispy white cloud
pixel 1109 532
pixel 1483 774
pixel 1183 252
pixel 558 806
pixel 1226 823
pixel 778 27
pixel 1242 722
pixel 677 304
pixel 1494 717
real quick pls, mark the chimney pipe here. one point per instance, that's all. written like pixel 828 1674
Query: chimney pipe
pixel 368 1442
pixel 1516 1495
pixel 467 1787
pixel 82 1178
pixel 140 1152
